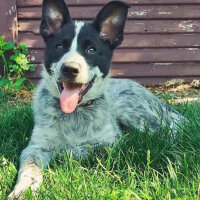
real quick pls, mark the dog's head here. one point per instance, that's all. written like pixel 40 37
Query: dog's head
pixel 78 54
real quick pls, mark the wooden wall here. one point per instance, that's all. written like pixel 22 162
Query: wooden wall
pixel 162 37
pixel 8 19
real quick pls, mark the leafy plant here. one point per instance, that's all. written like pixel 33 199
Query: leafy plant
pixel 16 66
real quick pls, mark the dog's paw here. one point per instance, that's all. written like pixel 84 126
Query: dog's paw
pixel 30 176
pixel 20 190
pixel 23 184
pixel 17 194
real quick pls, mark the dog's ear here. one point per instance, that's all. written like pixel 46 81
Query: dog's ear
pixel 110 22
pixel 54 15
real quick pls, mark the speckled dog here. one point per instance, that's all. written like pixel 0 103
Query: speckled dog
pixel 76 103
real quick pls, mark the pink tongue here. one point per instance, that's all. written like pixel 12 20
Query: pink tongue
pixel 69 99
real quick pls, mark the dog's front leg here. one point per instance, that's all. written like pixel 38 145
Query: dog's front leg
pixel 32 159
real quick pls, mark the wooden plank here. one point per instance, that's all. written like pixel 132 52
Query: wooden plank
pixel 135 12
pixel 157 55
pixel 155 69
pixel 131 40
pixel 141 55
pixel 130 70
pixel 97 2
pixel 8 19
pixel 134 26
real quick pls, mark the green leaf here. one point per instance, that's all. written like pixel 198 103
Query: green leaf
pixel 16 52
pixel 2 37
pixel 19 83
pixel 25 67
pixel 13 57
pixel 22 56
pixel 4 82
pixel 16 65
pixel 18 60
pixel 13 68
pixel 32 68
pixel 23 48
pixel 2 44
pixel 9 46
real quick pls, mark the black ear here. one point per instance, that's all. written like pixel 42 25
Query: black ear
pixel 110 22
pixel 54 15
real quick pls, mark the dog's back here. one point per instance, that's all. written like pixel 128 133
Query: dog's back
pixel 135 106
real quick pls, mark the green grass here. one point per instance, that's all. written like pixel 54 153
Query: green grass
pixel 141 166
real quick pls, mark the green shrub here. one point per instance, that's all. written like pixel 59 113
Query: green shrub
pixel 15 65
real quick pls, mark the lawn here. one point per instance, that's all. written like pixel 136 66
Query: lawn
pixel 141 166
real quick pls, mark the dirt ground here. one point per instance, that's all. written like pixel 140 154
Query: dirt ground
pixel 177 91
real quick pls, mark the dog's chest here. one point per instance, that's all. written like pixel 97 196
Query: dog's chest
pixel 83 130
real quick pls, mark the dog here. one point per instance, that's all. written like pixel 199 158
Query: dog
pixel 76 104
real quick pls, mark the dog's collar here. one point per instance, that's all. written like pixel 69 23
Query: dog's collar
pixel 90 102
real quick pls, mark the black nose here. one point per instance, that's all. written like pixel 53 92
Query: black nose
pixel 69 71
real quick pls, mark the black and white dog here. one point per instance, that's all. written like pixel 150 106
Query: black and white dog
pixel 76 104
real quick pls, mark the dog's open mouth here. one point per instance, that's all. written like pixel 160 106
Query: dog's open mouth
pixel 71 94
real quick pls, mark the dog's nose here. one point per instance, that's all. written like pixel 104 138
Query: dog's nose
pixel 69 71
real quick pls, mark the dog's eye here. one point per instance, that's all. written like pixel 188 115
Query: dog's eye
pixel 91 50
pixel 59 47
